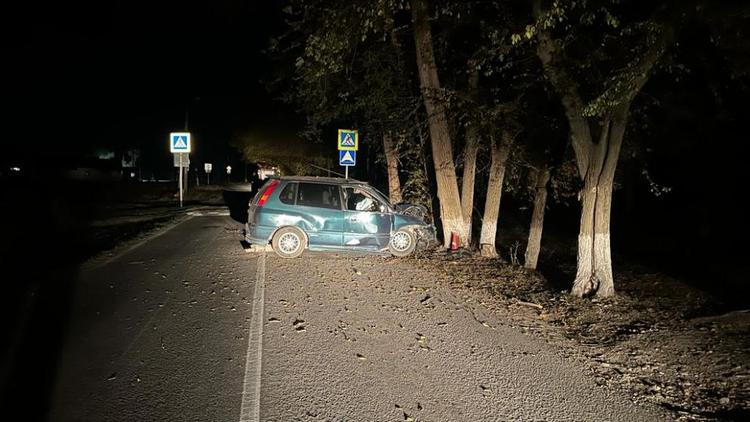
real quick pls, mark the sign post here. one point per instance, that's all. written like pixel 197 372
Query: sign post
pixel 348 144
pixel 207 167
pixel 179 145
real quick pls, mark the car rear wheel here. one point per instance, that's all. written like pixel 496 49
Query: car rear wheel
pixel 289 242
pixel 402 243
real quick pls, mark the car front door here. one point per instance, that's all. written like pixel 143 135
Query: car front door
pixel 367 221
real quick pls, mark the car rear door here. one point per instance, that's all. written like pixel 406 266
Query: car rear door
pixel 319 205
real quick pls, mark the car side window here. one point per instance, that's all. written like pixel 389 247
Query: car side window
pixel 319 195
pixel 288 193
pixel 360 200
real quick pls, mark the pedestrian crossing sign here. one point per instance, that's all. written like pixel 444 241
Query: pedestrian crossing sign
pixel 179 142
pixel 348 140
pixel 347 158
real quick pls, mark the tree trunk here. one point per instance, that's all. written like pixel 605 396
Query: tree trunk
pixel 470 162
pixel 467 182
pixel 494 193
pixel 594 246
pixel 451 215
pixel 537 219
pixel 391 158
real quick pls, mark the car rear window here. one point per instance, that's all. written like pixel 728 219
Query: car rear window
pixel 319 195
pixel 288 193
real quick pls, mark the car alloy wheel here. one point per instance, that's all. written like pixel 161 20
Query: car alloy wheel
pixel 289 243
pixel 401 241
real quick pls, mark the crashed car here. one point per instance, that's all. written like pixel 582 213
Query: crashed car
pixel 333 214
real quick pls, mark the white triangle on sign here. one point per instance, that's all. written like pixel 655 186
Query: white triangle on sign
pixel 180 143
pixel 347 157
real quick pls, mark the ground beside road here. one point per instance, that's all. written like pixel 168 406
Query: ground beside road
pixel 161 333
pixel 662 341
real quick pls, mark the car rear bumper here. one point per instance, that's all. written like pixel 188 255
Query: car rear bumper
pixel 259 235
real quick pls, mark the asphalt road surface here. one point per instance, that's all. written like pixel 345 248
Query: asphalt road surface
pixel 189 327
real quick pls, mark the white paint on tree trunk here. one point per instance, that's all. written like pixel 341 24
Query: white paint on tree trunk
pixel 603 265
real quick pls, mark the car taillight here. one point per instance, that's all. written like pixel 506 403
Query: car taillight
pixel 267 193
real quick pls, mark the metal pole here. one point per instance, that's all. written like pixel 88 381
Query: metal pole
pixel 346 172
pixel 180 180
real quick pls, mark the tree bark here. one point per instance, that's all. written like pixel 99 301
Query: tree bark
pixel 470 163
pixel 390 150
pixel 451 215
pixel 533 246
pixel 494 194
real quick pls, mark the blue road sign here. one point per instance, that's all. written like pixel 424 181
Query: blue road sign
pixel 348 140
pixel 179 142
pixel 347 158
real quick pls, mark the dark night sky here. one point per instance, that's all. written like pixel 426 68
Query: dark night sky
pixel 119 73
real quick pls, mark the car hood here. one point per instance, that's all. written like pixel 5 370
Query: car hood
pixel 415 214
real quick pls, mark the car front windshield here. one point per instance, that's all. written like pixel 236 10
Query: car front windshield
pixel 381 196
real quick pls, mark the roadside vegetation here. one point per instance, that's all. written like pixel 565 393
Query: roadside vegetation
pixel 561 105
pixel 462 101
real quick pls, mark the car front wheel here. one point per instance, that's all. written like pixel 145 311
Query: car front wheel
pixel 402 243
pixel 289 242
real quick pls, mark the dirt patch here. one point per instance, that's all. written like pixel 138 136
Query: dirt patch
pixel 660 340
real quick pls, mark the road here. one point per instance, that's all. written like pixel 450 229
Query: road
pixel 172 330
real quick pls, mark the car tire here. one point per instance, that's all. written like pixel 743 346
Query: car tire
pixel 289 242
pixel 402 243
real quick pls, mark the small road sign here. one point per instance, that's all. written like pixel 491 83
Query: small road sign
pixel 185 160
pixel 348 140
pixel 179 142
pixel 207 167
pixel 347 158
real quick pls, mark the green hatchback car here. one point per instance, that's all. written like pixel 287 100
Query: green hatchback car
pixel 333 214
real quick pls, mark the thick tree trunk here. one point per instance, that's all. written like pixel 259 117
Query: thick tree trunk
pixel 391 159
pixel 451 215
pixel 494 194
pixel 470 162
pixel 537 219
pixel 594 246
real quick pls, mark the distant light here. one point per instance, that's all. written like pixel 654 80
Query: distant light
pixel 229 169
pixel 132 174
pixel 15 169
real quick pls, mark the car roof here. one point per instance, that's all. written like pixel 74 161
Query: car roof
pixel 315 179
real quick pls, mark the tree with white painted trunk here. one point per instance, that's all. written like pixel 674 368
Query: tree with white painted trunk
pixel 533 246
pixel 451 213
pixel 605 115
pixel 499 151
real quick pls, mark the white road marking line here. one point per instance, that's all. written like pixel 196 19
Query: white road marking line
pixel 250 410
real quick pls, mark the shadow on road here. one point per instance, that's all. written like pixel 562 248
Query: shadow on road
pixel 237 202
